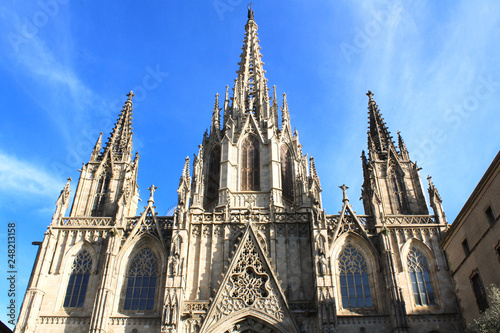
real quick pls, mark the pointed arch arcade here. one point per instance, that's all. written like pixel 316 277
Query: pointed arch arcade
pixel 421 285
pixel 142 281
pixel 213 176
pixel 100 194
pixel 250 164
pixel 286 173
pixel 399 192
pixel 78 280
pixel 354 279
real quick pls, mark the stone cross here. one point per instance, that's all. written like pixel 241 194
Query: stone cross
pixel 344 192
pixel 152 190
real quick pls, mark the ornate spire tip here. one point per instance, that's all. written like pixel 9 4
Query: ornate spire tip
pixel 250 11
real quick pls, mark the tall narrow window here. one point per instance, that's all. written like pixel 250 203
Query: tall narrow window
pixel 78 280
pixel 100 194
pixel 250 164
pixel 354 282
pixel 399 193
pixel 286 173
pixel 497 249
pixel 465 247
pixel 479 292
pixel 490 215
pixel 213 176
pixel 420 279
pixel 141 281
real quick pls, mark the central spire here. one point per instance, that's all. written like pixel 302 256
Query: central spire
pixel 250 91
pixel 379 137
pixel 120 140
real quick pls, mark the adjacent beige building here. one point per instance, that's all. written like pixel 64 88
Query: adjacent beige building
pixel 250 247
pixel 472 244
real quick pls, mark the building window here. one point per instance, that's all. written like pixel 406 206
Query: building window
pixel 479 292
pixel 490 215
pixel 213 176
pixel 250 164
pixel 497 249
pixel 354 282
pixel 286 173
pixel 100 195
pixel 78 280
pixel 420 279
pixel 465 246
pixel 399 193
pixel 141 281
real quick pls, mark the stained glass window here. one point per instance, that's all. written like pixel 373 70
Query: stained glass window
pixel 78 280
pixel 213 176
pixel 141 281
pixel 420 279
pixel 399 193
pixel 354 282
pixel 286 173
pixel 250 164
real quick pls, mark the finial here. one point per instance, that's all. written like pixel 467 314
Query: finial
pixel 130 95
pixel 250 11
pixel 369 94
pixel 69 179
pixel 344 193
pixel 152 190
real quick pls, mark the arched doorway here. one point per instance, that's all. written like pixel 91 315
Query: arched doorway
pixel 251 325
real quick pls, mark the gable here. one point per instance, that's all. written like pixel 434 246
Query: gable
pixel 249 288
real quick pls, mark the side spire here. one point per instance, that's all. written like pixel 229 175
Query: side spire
pixel 275 108
pixel 120 141
pixel 97 149
pixel 215 116
pixel 402 147
pixel 285 115
pixel 377 129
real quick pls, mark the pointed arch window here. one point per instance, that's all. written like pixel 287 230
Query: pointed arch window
pixel 213 176
pixel 399 193
pixel 141 281
pixel 354 281
pixel 78 280
pixel 100 195
pixel 250 164
pixel 420 279
pixel 286 173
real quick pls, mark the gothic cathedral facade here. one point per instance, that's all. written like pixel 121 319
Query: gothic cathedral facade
pixel 249 247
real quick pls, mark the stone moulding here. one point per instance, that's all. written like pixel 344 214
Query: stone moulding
pixel 134 321
pixel 64 320
pixel 423 318
pixel 355 320
pixel 302 306
pixel 196 306
pixel 86 222
pixel 413 219
pixel 245 217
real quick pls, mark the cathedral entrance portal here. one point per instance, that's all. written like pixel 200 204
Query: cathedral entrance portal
pixel 251 325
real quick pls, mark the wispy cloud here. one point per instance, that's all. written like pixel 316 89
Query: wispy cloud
pixel 430 66
pixel 21 177
pixel 32 55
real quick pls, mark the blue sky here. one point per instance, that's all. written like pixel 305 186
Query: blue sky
pixel 67 65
